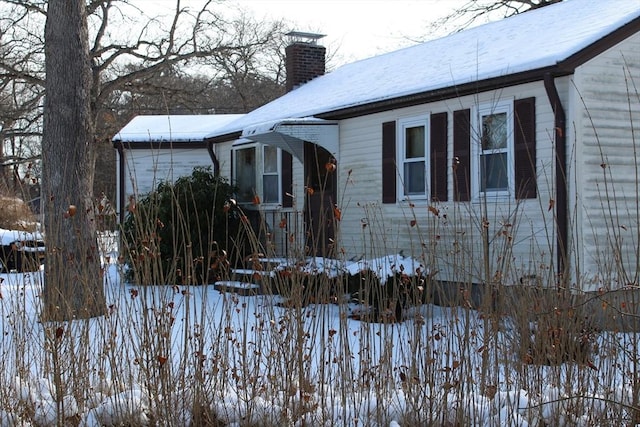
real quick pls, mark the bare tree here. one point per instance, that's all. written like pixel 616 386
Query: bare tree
pixel 73 286
pixel 475 10
pixel 21 91
pixel 119 53
pixel 133 55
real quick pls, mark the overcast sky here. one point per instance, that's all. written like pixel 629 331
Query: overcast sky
pixel 358 29
pixel 354 29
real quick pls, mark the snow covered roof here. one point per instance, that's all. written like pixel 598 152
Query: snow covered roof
pixel 9 236
pixel 175 128
pixel 529 41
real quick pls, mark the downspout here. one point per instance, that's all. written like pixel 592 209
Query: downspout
pixel 214 159
pixel 561 213
pixel 121 178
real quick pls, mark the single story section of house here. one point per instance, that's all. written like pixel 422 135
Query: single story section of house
pixel 504 153
pixel 162 148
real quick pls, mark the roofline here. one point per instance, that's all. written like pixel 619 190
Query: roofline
pixel 599 46
pixel 147 145
pixel 562 68
pixel 225 137
pixel 450 92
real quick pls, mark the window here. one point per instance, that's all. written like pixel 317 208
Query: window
pixel 245 171
pixel 493 150
pixel 416 149
pixel 414 155
pixel 270 176
pixel 257 173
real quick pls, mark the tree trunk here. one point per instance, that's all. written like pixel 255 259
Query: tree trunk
pixel 73 280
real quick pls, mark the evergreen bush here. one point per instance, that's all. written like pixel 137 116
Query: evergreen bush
pixel 182 232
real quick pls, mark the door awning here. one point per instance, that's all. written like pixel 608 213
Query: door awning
pixel 291 134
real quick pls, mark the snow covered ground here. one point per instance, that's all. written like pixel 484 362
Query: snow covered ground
pixel 253 361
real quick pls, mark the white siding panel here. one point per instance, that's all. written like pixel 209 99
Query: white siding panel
pixel 519 235
pixel 607 130
pixel 145 169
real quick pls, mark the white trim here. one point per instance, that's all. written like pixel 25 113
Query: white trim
pixel 403 124
pixel 259 171
pixel 278 174
pixel 290 135
pixel 479 111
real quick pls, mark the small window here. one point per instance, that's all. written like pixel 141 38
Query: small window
pixel 257 173
pixel 270 176
pixel 245 171
pixel 493 156
pixel 414 157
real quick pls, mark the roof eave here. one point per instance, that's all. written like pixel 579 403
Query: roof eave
pixel 562 68
pixel 231 136
pixel 450 92
pixel 158 144
pixel 601 45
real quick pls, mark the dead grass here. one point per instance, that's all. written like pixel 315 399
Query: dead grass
pixel 15 214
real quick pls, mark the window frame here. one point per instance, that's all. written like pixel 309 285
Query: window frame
pixel 402 187
pixel 477 152
pixel 277 173
pixel 259 172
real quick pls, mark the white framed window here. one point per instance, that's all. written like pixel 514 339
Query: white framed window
pixel 493 150
pixel 270 174
pixel 413 152
pixel 257 172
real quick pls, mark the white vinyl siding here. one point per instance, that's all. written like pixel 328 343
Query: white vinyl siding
pixel 145 169
pixel 605 171
pixel 452 239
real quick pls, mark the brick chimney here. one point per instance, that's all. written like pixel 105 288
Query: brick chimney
pixel 305 58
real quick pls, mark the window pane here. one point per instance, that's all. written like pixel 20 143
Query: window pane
pixel 414 182
pixel 270 189
pixel 494 131
pixel 494 172
pixel 414 142
pixel 246 174
pixel 270 159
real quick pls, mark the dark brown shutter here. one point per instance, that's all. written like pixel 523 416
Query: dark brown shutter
pixel 286 162
pixel 439 165
pixel 525 148
pixel 462 155
pixel 389 162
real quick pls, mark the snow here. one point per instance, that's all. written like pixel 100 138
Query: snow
pixel 383 267
pixel 9 236
pixel 529 41
pixel 174 128
pixel 247 325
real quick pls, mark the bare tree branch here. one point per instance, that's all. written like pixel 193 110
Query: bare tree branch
pixel 476 10
pixel 141 62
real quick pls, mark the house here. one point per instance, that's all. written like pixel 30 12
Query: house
pixel 159 148
pixel 506 152
pixel 502 153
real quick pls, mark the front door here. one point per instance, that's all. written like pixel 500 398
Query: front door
pixel 320 200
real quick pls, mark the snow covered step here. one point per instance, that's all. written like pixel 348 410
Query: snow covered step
pixel 249 275
pixel 249 272
pixel 237 287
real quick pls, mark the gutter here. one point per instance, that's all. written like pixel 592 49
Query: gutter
pixel 561 183
pixel 224 138
pixel 450 92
